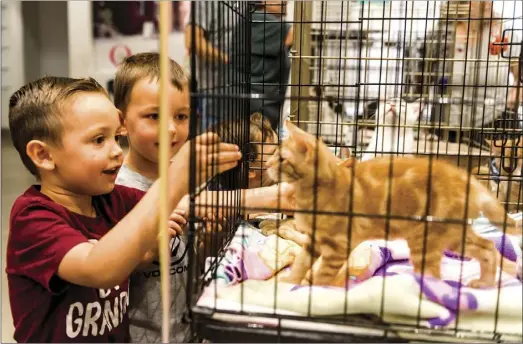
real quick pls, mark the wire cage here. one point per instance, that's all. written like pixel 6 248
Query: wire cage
pixel 450 72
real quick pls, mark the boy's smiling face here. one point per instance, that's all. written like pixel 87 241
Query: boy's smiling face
pixel 141 119
pixel 89 156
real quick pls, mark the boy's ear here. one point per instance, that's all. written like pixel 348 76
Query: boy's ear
pixel 123 128
pixel 40 155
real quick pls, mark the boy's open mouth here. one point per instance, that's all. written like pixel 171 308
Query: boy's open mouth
pixel 111 171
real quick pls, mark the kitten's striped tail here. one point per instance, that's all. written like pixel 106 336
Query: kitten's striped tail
pixel 496 213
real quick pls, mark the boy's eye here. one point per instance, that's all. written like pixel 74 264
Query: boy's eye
pixel 182 117
pixel 99 140
pixel 153 116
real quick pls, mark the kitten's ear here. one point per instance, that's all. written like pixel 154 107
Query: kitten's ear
pixel 303 143
pixel 348 163
pixel 291 127
pixel 301 138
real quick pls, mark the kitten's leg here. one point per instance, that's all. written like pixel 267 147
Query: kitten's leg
pixel 432 265
pixel 327 270
pixel 333 257
pixel 427 261
pixel 299 268
pixel 484 251
pixel 288 231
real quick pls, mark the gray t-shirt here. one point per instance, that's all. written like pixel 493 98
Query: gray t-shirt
pixel 145 307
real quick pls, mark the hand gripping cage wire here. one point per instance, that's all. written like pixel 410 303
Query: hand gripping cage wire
pixel 347 59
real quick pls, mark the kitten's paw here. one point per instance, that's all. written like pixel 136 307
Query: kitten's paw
pixel 268 227
pixel 284 278
pixel 480 284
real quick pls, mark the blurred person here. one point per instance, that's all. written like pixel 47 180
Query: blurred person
pixel 271 40
pixel 213 25
pixel 481 79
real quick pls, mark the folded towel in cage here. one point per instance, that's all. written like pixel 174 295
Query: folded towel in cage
pixel 252 255
pixel 370 256
pixel 392 291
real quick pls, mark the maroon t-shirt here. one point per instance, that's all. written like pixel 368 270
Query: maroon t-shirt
pixel 46 308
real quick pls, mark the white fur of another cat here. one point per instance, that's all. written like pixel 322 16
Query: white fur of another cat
pixel 394 137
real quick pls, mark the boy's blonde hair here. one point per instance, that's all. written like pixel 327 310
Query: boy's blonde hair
pixel 143 65
pixel 36 108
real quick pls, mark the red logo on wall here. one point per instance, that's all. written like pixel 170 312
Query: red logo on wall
pixel 118 53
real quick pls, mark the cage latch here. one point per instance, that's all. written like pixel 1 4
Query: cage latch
pixel 508 127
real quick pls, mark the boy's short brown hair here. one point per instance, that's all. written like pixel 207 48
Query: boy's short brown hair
pixel 35 110
pixel 137 67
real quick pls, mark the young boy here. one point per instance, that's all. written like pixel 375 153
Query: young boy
pixel 75 238
pixel 136 96
pixel 136 89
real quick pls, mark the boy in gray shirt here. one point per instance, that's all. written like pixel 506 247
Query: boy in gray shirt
pixel 136 96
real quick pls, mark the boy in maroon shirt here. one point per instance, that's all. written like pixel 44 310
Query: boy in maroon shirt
pixel 75 238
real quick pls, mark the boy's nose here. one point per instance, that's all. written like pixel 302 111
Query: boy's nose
pixel 116 151
pixel 172 128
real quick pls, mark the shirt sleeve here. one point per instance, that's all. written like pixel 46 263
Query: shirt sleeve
pixel 129 196
pixel 40 238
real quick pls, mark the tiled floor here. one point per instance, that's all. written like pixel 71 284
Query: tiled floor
pixel 15 179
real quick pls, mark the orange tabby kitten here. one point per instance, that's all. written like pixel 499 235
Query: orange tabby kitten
pixel 313 168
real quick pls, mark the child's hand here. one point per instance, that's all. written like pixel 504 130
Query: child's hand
pixel 176 225
pixel 212 157
pixel 177 222
pixel 214 223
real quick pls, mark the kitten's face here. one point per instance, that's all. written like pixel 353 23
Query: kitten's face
pixel 397 110
pixel 296 158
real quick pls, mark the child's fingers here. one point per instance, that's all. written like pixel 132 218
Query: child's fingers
pixel 207 157
pixel 179 212
pixel 202 150
pixel 223 157
pixel 176 227
pixel 172 233
pixel 217 218
pixel 214 222
pixel 178 219
pixel 207 139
